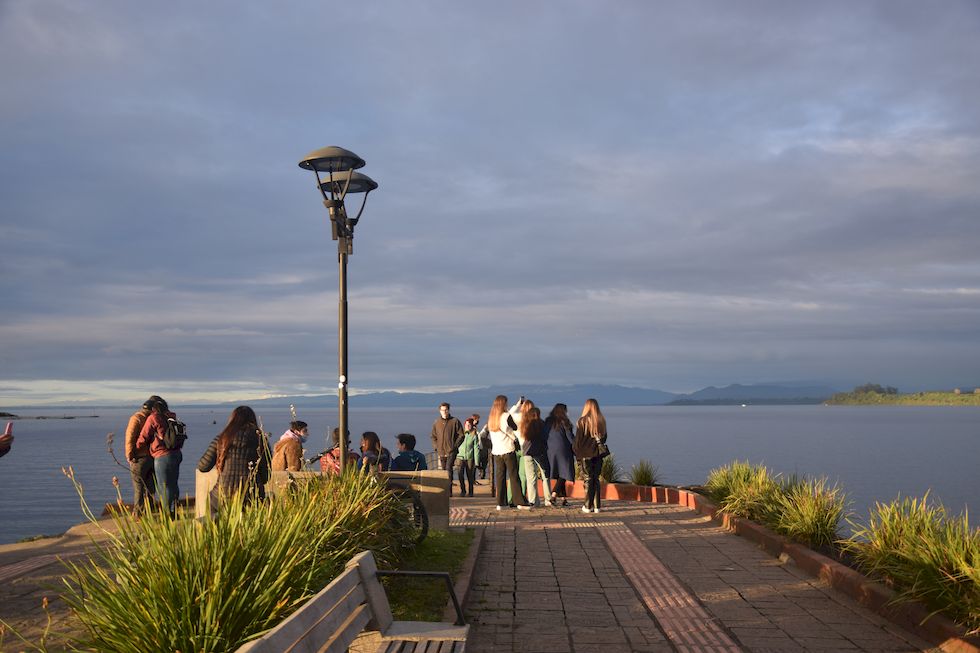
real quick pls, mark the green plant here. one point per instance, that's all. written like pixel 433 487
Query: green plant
pixel 611 471
pixel 210 585
pixel 924 554
pixel 722 480
pixel 644 473
pixel 810 511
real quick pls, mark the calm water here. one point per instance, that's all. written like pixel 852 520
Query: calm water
pixel 876 453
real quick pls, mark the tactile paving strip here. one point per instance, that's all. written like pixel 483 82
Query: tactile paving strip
pixel 684 621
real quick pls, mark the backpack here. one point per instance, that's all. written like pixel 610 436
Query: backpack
pixel 175 434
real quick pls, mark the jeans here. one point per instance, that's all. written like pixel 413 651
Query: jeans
pixel 168 469
pixel 467 472
pixel 590 470
pixel 505 468
pixel 533 469
pixel 144 484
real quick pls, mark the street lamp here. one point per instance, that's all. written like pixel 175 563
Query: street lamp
pixel 338 166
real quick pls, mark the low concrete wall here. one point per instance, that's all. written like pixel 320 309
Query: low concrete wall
pixel 432 486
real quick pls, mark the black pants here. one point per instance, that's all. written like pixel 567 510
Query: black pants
pixel 505 467
pixel 144 481
pixel 450 463
pixel 467 472
pixel 561 489
pixel 590 470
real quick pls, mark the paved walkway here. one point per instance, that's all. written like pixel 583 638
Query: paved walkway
pixel 648 578
pixel 636 577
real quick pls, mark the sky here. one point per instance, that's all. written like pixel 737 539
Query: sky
pixel 663 195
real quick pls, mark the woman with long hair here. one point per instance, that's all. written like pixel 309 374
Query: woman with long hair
pixel 503 439
pixel 534 447
pixel 590 432
pixel 374 457
pixel 561 461
pixel 240 453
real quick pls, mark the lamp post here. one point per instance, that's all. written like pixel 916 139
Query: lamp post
pixel 338 166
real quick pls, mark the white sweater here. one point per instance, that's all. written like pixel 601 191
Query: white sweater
pixel 504 441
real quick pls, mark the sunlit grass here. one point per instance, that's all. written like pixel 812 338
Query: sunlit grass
pixel 163 584
pixel 644 473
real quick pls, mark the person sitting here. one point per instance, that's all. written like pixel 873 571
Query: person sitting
pixel 408 459
pixel 330 461
pixel 374 457
pixel 288 454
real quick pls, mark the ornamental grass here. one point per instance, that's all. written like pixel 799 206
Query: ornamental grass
pixel 924 554
pixel 644 473
pixel 162 584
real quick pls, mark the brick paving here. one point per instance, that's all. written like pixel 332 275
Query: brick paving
pixel 648 577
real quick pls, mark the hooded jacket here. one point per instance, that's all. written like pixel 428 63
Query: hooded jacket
pixel 288 453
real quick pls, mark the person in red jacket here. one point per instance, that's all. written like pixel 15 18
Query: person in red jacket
pixel 166 461
pixel 330 460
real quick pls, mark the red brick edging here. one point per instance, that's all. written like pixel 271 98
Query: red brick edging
pixel 937 629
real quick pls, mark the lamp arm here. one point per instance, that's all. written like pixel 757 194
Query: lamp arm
pixel 363 204
pixel 319 184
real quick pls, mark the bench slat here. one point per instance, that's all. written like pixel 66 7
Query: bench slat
pixel 347 633
pixel 317 619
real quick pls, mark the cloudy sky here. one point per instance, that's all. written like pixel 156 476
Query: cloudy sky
pixel 666 195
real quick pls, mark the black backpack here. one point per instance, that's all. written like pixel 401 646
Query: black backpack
pixel 174 434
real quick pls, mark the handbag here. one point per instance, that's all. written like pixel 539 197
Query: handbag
pixel 601 447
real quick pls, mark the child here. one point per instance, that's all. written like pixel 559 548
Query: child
pixel 408 459
pixel 469 456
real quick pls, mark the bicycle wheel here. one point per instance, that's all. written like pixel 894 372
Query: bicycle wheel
pixel 418 516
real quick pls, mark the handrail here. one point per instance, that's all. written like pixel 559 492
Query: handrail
pixel 460 620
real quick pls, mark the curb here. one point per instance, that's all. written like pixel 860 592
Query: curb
pixel 914 617
pixel 464 582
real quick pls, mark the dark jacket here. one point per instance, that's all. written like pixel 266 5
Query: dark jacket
pixel 408 461
pixel 447 434
pixel 585 444
pixel 560 456
pixel 246 463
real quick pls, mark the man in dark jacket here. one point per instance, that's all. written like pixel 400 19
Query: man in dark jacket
pixel 447 434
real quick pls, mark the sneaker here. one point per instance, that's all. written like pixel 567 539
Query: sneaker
pixel 500 507
pixel 524 506
pixel 470 494
pixel 595 510
pixel 564 503
pixel 585 509
pixel 548 504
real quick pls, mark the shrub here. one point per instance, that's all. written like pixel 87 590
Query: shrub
pixel 210 585
pixel 722 479
pixel 745 490
pixel 810 511
pixel 925 555
pixel 644 473
pixel 611 471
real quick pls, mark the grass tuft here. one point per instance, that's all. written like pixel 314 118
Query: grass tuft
pixel 644 473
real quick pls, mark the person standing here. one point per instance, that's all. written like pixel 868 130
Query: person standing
pixel 534 447
pixel 503 438
pixel 288 454
pixel 447 433
pixel 484 447
pixel 590 432
pixel 469 456
pixel 7 439
pixel 241 457
pixel 140 461
pixel 561 460
pixel 166 454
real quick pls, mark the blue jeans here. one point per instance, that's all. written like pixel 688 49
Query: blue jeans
pixel 167 470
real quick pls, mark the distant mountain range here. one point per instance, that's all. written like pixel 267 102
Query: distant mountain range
pixel 573 395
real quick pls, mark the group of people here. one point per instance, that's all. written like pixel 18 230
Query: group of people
pixel 546 449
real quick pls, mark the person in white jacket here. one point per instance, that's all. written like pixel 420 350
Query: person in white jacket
pixel 503 438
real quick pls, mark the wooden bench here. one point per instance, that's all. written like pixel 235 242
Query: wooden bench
pixel 354 602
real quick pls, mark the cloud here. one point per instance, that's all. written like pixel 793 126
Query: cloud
pixel 664 196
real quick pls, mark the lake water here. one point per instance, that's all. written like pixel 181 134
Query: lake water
pixel 875 453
